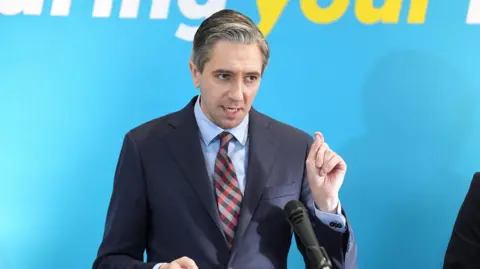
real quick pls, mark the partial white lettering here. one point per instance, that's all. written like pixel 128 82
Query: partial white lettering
pixel 129 9
pixel 102 8
pixel 15 7
pixel 192 10
pixel 60 8
pixel 473 16
pixel 159 9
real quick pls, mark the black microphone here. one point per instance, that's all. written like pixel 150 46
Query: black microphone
pixel 297 215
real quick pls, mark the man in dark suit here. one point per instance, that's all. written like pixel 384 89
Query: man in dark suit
pixel 205 187
pixel 463 251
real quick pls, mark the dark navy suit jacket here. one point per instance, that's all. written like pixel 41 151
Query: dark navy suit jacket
pixel 163 202
pixel 463 251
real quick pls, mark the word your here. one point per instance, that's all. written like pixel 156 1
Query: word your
pixel 365 11
pixel 269 11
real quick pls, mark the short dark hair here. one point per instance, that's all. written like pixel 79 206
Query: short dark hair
pixel 230 25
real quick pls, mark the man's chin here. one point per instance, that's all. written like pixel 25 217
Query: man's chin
pixel 229 123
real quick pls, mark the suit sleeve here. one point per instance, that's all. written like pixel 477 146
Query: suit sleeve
pixel 336 221
pixel 124 239
pixel 463 250
pixel 341 247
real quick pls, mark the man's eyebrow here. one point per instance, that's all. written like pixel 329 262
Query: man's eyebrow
pixel 253 73
pixel 222 71
pixel 225 71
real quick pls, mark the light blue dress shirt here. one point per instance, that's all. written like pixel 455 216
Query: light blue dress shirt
pixel 238 152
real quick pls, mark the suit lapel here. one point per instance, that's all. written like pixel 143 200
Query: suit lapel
pixel 185 145
pixel 262 147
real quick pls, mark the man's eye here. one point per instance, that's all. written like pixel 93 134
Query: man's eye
pixel 252 78
pixel 223 76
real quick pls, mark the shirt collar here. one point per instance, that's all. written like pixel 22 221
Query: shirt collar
pixel 209 130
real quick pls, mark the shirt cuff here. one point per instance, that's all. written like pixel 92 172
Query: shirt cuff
pixel 335 221
pixel 157 266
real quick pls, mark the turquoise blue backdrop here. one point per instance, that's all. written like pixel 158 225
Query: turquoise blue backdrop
pixel 398 101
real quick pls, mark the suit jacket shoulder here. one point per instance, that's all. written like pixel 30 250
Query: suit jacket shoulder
pixel 463 250
pixel 475 185
pixel 158 128
pixel 286 132
pixel 153 128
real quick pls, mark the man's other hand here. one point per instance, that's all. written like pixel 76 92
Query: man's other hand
pixel 182 263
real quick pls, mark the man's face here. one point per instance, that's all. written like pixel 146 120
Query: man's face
pixel 229 82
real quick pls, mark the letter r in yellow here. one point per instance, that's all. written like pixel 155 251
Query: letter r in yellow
pixel 390 11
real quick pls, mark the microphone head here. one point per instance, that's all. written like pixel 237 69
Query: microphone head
pixel 298 217
pixel 295 211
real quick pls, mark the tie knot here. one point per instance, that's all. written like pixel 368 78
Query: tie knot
pixel 225 138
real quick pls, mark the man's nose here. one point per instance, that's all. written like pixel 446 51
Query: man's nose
pixel 236 92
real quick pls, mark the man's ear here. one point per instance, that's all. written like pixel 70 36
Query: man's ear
pixel 195 74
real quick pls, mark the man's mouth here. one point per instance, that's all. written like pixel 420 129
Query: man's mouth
pixel 231 110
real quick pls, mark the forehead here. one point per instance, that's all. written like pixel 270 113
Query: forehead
pixel 235 57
